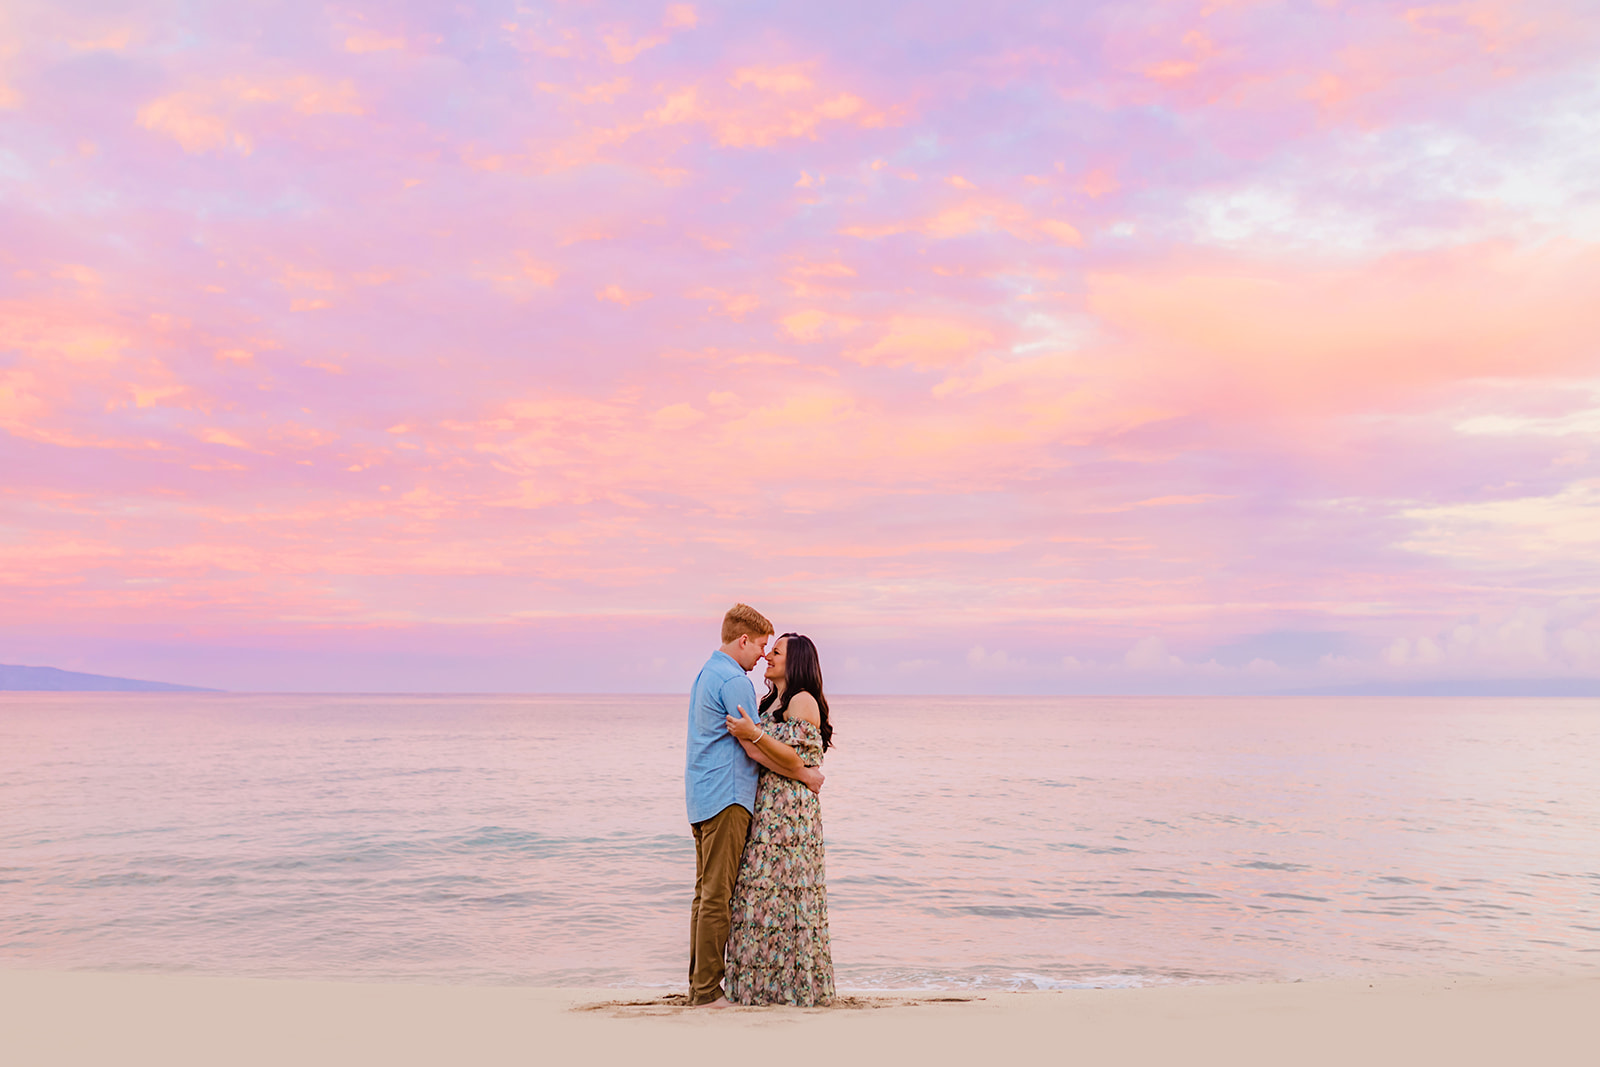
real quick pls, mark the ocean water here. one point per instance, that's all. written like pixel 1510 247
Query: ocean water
pixel 972 842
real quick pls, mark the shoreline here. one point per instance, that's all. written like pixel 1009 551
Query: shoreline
pixel 87 1017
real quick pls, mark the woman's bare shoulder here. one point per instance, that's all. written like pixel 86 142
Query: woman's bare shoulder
pixel 804 706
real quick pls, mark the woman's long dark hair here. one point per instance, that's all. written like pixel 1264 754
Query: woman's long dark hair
pixel 803 674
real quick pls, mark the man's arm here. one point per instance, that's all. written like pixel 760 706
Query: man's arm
pixel 771 753
pixel 740 694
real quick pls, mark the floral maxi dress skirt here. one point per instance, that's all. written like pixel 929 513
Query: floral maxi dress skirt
pixel 778 944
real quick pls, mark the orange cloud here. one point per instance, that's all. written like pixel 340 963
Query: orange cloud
pixel 734 306
pixel 20 405
pixel 786 104
pixel 675 417
pixel 114 39
pixel 977 214
pixel 809 279
pixel 751 108
pixel 192 121
pixel 10 98
pixel 60 334
pixel 519 276
pixel 215 436
pixel 617 295
pixel 790 79
pixel 212 118
pixel 594 93
pixel 924 343
pixel 1097 183
pixel 814 324
pixel 1200 50
pixel 1334 336
pixel 625 49
pixel 372 41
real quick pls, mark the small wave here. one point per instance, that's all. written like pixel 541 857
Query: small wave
pixel 1268 865
pixel 1022 911
pixel 1004 981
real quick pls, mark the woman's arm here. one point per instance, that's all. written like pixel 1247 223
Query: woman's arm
pixel 771 753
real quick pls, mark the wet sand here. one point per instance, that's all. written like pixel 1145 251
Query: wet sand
pixel 96 1018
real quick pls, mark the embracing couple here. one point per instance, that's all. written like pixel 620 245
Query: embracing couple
pixel 760 915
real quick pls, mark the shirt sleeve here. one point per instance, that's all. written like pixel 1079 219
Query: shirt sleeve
pixel 738 691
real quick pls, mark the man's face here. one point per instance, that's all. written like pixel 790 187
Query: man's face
pixel 747 652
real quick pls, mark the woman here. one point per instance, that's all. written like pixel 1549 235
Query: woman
pixel 778 946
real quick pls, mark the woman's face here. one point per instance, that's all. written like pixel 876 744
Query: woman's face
pixel 775 660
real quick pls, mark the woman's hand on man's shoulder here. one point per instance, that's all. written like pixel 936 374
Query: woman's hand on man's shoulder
pixel 804 706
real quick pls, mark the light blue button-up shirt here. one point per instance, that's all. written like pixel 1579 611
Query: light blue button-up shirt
pixel 717 772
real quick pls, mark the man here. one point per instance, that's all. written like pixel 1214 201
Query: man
pixel 720 783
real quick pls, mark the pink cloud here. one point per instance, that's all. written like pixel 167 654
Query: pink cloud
pixel 218 117
pixel 1355 336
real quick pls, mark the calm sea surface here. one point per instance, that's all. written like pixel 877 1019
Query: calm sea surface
pixel 972 842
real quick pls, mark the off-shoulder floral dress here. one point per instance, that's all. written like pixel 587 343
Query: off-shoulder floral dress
pixel 778 946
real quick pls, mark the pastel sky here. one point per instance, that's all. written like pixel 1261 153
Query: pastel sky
pixel 1124 346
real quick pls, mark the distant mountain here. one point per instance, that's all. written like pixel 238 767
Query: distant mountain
pixel 51 680
pixel 1483 687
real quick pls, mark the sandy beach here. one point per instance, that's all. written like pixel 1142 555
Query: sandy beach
pixel 95 1018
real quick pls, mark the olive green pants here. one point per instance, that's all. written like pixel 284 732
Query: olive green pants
pixel 718 845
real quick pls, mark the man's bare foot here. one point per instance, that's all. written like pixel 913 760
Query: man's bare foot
pixel 720 1002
